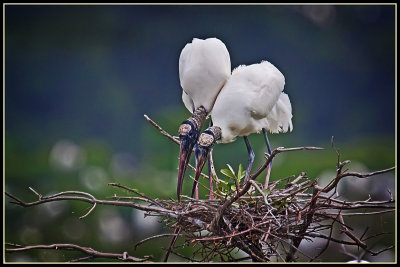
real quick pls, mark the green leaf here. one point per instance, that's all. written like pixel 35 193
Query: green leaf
pixel 228 173
pixel 231 169
pixel 241 173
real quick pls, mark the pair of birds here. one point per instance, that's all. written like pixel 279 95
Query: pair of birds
pixel 246 101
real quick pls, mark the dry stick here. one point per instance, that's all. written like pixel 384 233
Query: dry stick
pixel 249 251
pixel 214 224
pixel 94 253
pixel 351 206
pixel 136 192
pixel 161 130
pixel 351 235
pixel 158 210
pixel 361 202
pixel 297 240
pixel 88 200
pixel 279 150
pixel 150 238
pixel 339 241
pixel 308 183
pixel 274 184
pixel 229 236
pixel 335 181
pixel 265 201
pixel 172 243
pixel 291 245
pixel 364 213
pixel 329 239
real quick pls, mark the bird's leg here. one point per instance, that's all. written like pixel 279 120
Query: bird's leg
pixel 209 168
pixel 250 160
pixel 210 176
pixel 270 164
pixel 196 196
pixel 196 181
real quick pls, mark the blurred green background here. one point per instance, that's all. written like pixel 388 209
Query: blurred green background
pixel 78 79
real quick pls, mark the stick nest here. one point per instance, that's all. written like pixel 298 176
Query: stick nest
pixel 268 227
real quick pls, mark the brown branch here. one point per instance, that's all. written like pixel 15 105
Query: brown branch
pixel 150 238
pixel 365 175
pixel 172 138
pixel 351 235
pixel 232 235
pixel 214 224
pixel 89 251
pixel 329 239
pixel 172 243
pixel 261 225
pixel 308 220
pixel 334 182
pixel 277 151
pixel 93 200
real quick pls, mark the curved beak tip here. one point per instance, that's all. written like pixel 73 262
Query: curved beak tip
pixel 201 158
pixel 184 156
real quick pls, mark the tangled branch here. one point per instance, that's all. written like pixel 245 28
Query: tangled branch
pixel 266 224
pixel 91 253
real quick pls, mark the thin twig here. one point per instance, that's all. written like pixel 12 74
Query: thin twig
pixel 172 138
pixel 89 251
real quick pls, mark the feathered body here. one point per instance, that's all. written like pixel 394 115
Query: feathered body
pixel 204 67
pixel 252 99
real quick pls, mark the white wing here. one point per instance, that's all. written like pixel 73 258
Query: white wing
pixel 204 67
pixel 246 100
pixel 187 101
pixel 279 120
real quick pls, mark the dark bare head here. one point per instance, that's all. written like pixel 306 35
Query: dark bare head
pixel 188 134
pixel 206 142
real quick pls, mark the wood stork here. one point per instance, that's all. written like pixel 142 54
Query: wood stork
pixel 204 68
pixel 252 100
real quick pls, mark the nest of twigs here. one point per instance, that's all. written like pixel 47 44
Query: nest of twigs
pixel 268 227
pixel 256 223
pixel 267 224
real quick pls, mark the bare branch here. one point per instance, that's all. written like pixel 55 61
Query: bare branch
pixel 87 250
pixel 172 138
pixel 264 225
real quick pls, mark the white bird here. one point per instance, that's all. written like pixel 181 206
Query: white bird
pixel 204 68
pixel 251 101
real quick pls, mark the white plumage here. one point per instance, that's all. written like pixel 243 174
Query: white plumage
pixel 252 99
pixel 279 119
pixel 204 67
pixel 187 101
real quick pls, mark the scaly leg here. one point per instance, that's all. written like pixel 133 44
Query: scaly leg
pixel 210 176
pixel 250 159
pixel 196 183
pixel 270 164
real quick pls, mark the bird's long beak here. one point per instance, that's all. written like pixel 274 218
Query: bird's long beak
pixel 201 154
pixel 185 151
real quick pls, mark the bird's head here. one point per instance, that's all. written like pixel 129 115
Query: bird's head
pixel 188 135
pixel 204 145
